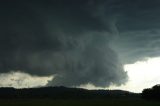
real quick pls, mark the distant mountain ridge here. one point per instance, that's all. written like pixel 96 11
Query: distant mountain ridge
pixel 61 92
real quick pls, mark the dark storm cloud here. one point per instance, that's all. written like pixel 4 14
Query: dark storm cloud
pixel 66 38
pixel 139 30
pixel 78 41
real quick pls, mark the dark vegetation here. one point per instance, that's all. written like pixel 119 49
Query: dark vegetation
pixel 62 93
pixel 76 93
pixel 62 96
pixel 78 102
pixel 152 93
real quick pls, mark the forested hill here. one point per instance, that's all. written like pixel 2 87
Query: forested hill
pixel 62 93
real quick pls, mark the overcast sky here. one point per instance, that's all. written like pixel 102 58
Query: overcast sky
pixel 76 42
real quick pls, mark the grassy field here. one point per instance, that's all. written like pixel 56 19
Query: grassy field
pixel 108 102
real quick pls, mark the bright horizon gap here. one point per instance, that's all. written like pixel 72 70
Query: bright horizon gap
pixel 142 74
pixel 18 79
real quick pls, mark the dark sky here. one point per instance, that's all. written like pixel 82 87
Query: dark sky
pixel 78 41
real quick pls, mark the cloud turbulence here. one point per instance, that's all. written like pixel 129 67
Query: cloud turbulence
pixel 77 41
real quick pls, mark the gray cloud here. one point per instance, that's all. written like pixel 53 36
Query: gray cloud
pixel 79 42
pixel 139 30
pixel 138 45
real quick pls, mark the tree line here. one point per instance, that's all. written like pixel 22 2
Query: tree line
pixel 151 93
pixel 61 93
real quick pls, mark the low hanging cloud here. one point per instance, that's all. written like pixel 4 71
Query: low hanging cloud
pixel 79 42
pixel 67 39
